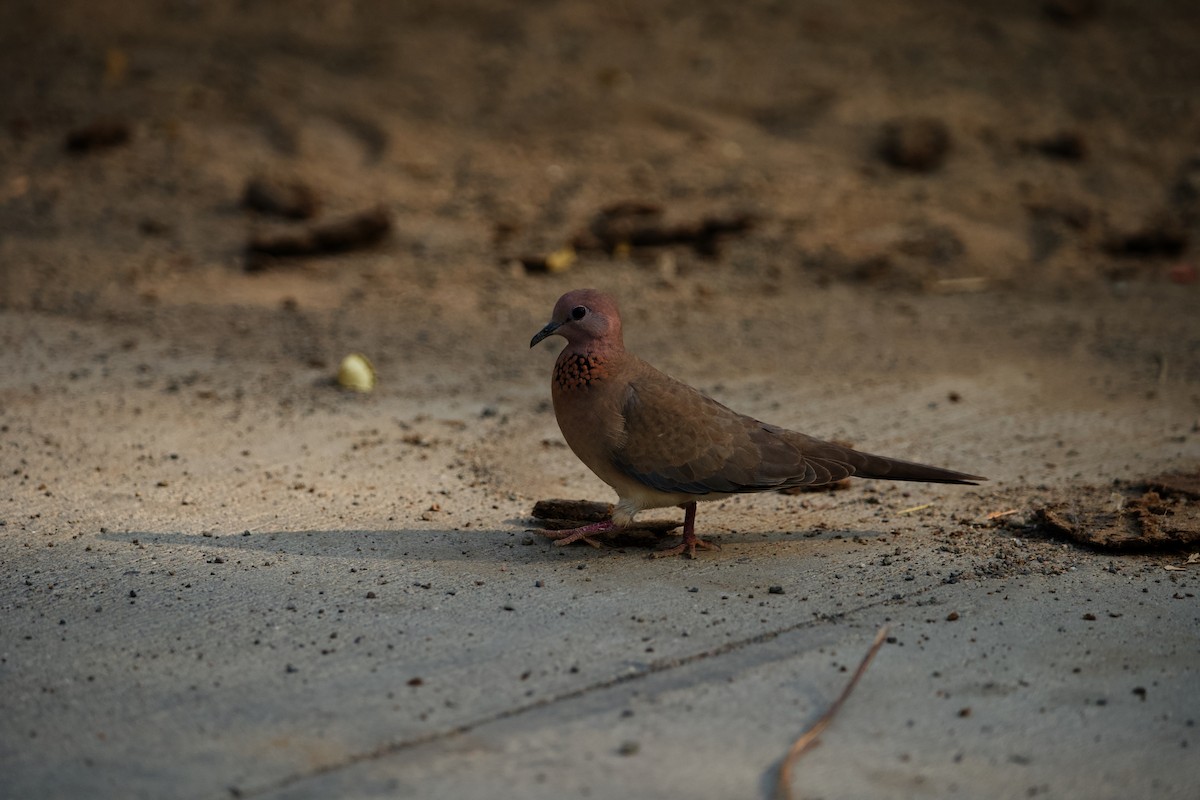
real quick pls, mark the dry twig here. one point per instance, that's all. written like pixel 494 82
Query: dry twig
pixel 808 739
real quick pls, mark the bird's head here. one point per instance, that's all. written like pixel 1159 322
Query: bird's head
pixel 586 318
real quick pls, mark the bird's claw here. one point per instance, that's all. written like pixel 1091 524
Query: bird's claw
pixel 583 534
pixel 576 537
pixel 685 546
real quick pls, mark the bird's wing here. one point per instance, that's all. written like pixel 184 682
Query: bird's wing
pixel 677 440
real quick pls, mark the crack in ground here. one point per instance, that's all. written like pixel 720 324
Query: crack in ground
pixel 664 665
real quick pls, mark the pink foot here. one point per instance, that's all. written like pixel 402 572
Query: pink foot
pixel 689 545
pixel 690 540
pixel 582 534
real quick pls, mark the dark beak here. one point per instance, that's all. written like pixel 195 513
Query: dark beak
pixel 550 328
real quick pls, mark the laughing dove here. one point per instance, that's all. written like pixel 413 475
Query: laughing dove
pixel 659 442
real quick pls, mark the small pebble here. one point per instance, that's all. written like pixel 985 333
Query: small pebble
pixel 356 373
pixel 99 135
pixel 919 144
pixel 291 199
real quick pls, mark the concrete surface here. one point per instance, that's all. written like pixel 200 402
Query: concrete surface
pixel 241 583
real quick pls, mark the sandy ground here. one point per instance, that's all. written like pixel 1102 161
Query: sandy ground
pixel 224 576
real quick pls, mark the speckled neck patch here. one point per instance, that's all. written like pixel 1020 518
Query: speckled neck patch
pixel 578 371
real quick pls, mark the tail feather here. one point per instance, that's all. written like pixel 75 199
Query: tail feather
pixel 893 469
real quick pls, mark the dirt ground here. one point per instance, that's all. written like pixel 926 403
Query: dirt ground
pixel 965 234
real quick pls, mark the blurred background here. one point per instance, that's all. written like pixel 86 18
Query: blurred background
pixel 922 146
pixel 289 182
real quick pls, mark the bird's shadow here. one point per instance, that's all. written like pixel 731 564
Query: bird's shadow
pixel 401 544
pixel 522 542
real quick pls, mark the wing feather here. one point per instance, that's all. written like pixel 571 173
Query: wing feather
pixel 677 440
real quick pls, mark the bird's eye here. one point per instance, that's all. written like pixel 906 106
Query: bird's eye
pixel 578 312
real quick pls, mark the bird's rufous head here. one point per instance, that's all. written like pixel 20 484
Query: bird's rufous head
pixel 584 317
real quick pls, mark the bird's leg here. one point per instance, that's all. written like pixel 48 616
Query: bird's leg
pixel 690 540
pixel 580 534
